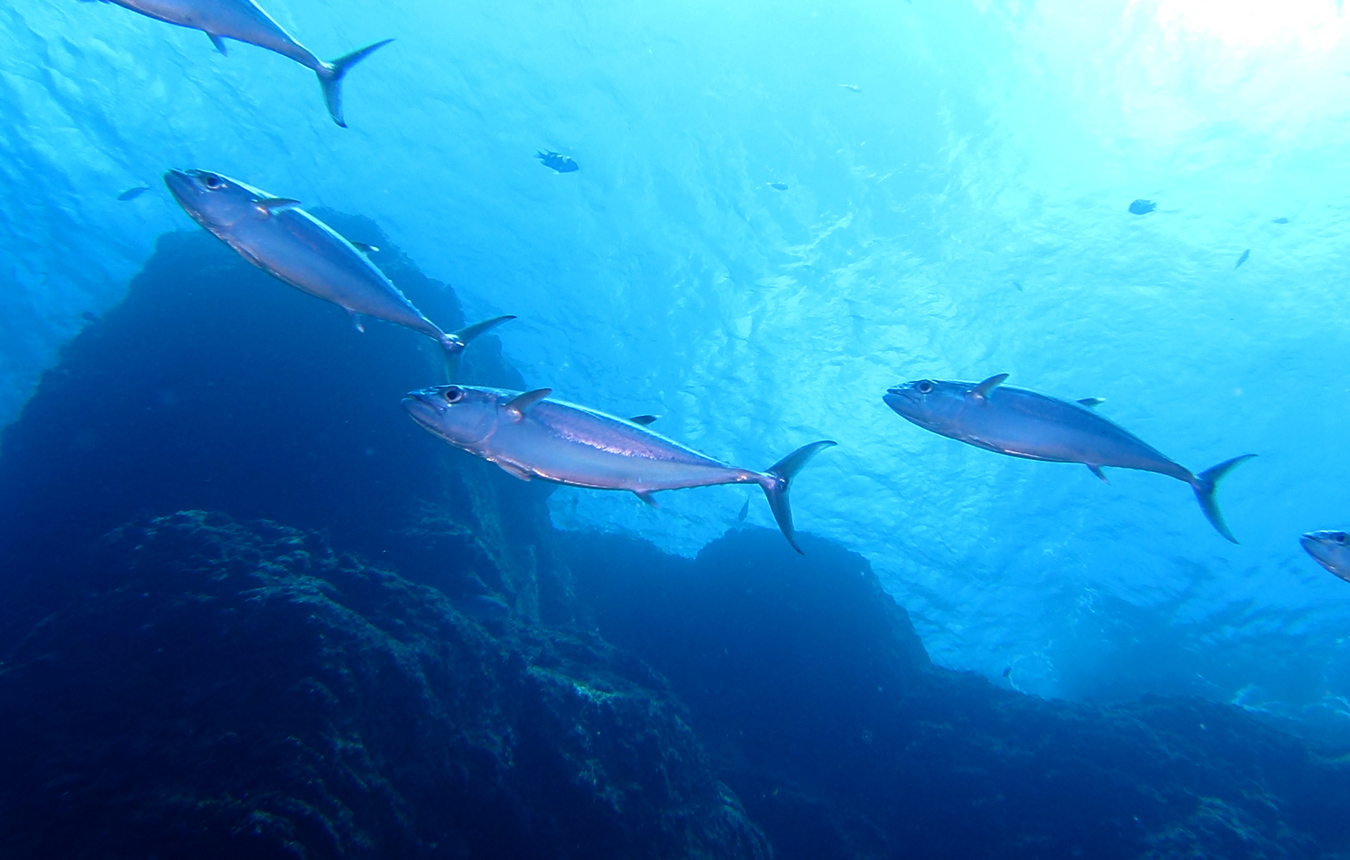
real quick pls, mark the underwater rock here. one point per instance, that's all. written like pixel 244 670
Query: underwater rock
pixel 822 712
pixel 227 690
pixel 214 386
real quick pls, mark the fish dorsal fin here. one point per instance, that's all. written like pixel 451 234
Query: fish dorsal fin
pixel 982 390
pixel 219 42
pixel 268 205
pixel 365 248
pixel 1092 402
pixel 644 420
pixel 521 403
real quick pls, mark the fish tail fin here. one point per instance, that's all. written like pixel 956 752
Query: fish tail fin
pixel 331 74
pixel 1206 483
pixel 777 480
pixel 452 345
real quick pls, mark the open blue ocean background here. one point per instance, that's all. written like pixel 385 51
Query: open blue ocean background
pixel 959 209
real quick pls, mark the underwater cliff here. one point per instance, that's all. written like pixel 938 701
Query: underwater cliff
pixel 250 610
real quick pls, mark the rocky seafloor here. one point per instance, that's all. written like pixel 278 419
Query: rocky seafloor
pixel 250 610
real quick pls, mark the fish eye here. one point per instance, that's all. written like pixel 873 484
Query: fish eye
pixel 212 181
pixel 453 394
pixel 923 386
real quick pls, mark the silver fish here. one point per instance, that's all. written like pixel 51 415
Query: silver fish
pixel 1026 424
pixel 1331 550
pixel 275 235
pixel 245 21
pixel 531 437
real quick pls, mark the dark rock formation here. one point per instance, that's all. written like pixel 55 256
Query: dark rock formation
pixel 822 712
pixel 227 691
pixel 215 386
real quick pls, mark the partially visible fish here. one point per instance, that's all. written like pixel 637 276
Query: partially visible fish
pixel 1331 550
pixel 1026 424
pixel 778 186
pixel 133 193
pixel 557 161
pixel 1142 207
pixel 280 238
pixel 853 88
pixel 245 21
pixel 1245 254
pixel 529 436
pixel 1280 220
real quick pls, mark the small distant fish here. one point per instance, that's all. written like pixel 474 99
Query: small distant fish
pixel 1142 207
pixel 557 161
pixel 1280 221
pixel 778 186
pixel 133 193
pixel 853 88
pixel 485 607
pixel 1007 671
pixel 285 241
pixel 1331 550
pixel 245 21
pixel 1245 254
pixel 530 436
pixel 89 316
pixel 1026 424
pixel 745 511
pixel 1018 284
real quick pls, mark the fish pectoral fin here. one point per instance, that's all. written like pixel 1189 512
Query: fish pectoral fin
pixel 358 322
pixel 364 248
pixel 1097 470
pixel 513 470
pixel 521 403
pixel 1092 402
pixel 219 42
pixel 644 420
pixel 268 205
pixel 982 390
pixel 646 496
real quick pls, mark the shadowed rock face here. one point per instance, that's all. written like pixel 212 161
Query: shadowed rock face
pixel 820 709
pixel 214 386
pixel 221 690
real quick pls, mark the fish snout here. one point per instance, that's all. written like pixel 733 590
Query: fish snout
pixel 424 405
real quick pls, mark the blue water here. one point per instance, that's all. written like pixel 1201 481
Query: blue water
pixel 959 210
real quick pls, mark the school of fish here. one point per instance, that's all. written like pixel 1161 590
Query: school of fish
pixel 531 435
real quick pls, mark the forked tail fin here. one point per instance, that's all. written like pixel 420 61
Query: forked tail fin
pixel 777 480
pixel 1205 484
pixel 330 79
pixel 453 344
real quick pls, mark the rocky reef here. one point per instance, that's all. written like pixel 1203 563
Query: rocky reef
pixel 249 610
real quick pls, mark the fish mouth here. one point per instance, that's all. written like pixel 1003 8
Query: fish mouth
pixel 899 399
pixel 423 409
pixel 180 185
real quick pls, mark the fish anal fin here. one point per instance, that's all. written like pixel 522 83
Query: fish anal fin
pixel 521 403
pixel 1097 470
pixel 268 205
pixel 219 42
pixel 358 322
pixel 644 420
pixel 513 470
pixel 1092 402
pixel 646 496
pixel 982 390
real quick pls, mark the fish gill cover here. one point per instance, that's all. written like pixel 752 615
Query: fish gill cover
pixel 956 182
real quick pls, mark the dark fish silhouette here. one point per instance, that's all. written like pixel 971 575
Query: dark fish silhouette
pixel 1245 254
pixel 1142 207
pixel 1026 424
pixel 778 186
pixel 557 161
pixel 133 193
pixel 1280 221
